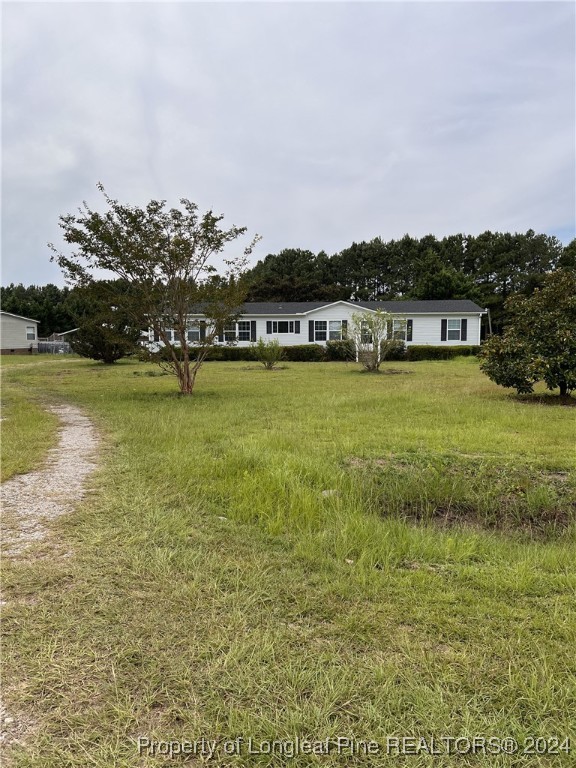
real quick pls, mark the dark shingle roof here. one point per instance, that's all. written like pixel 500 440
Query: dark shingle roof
pixel 447 306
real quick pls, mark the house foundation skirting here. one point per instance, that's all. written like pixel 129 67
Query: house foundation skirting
pixel 19 351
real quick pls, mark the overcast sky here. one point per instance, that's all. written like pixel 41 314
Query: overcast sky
pixel 313 124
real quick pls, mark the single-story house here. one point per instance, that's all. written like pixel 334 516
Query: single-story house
pixel 18 335
pixel 443 323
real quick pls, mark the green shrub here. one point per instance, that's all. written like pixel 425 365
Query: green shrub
pixel 214 353
pixel 340 350
pixel 393 349
pixel 234 353
pixel 417 352
pixel 304 353
pixel 505 361
pixel 269 353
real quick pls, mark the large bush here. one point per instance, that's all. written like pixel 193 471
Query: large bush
pixel 539 343
pixel 104 341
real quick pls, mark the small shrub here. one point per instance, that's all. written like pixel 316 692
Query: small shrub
pixel 269 353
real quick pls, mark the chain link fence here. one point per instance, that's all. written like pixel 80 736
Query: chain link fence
pixel 54 347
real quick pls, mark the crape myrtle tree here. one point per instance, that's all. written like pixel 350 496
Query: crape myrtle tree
pixel 165 256
pixel 539 341
pixel 372 336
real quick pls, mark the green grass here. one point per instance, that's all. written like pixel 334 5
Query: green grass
pixel 8 361
pixel 216 591
pixel 28 431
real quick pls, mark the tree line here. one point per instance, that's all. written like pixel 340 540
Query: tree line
pixel 55 308
pixel 487 268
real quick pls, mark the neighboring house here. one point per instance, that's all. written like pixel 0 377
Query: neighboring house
pixel 442 323
pixel 18 335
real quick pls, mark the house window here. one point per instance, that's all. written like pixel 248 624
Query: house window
pixel 335 330
pixel 30 333
pixel 399 329
pixel 320 330
pixel 168 335
pixel 193 335
pixel 244 330
pixel 283 326
pixel 454 330
pixel 239 331
pixel 328 330
pixel 230 334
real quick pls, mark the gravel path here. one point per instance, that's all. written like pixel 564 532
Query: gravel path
pixel 31 501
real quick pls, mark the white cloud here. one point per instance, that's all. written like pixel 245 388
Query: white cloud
pixel 314 124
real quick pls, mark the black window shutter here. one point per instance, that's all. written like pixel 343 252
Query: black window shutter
pixel 310 330
pixel 268 326
pixel 219 332
pixel 297 326
pixel 156 336
pixel 409 324
pixel 252 330
pixel 202 330
pixel 344 329
pixel 444 330
pixel 389 329
pixel 463 329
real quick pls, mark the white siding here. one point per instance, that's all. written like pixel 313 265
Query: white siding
pixel 426 329
pixel 13 332
pixel 336 312
pixel 286 339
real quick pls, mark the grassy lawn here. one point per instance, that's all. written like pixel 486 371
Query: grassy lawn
pixel 27 432
pixel 310 552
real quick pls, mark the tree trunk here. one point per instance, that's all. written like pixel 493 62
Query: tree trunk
pixel 186 378
pixel 563 388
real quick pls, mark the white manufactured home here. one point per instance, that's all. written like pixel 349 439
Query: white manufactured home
pixel 18 335
pixel 442 323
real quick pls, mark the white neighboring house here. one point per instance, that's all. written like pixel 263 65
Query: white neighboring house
pixel 18 335
pixel 442 323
